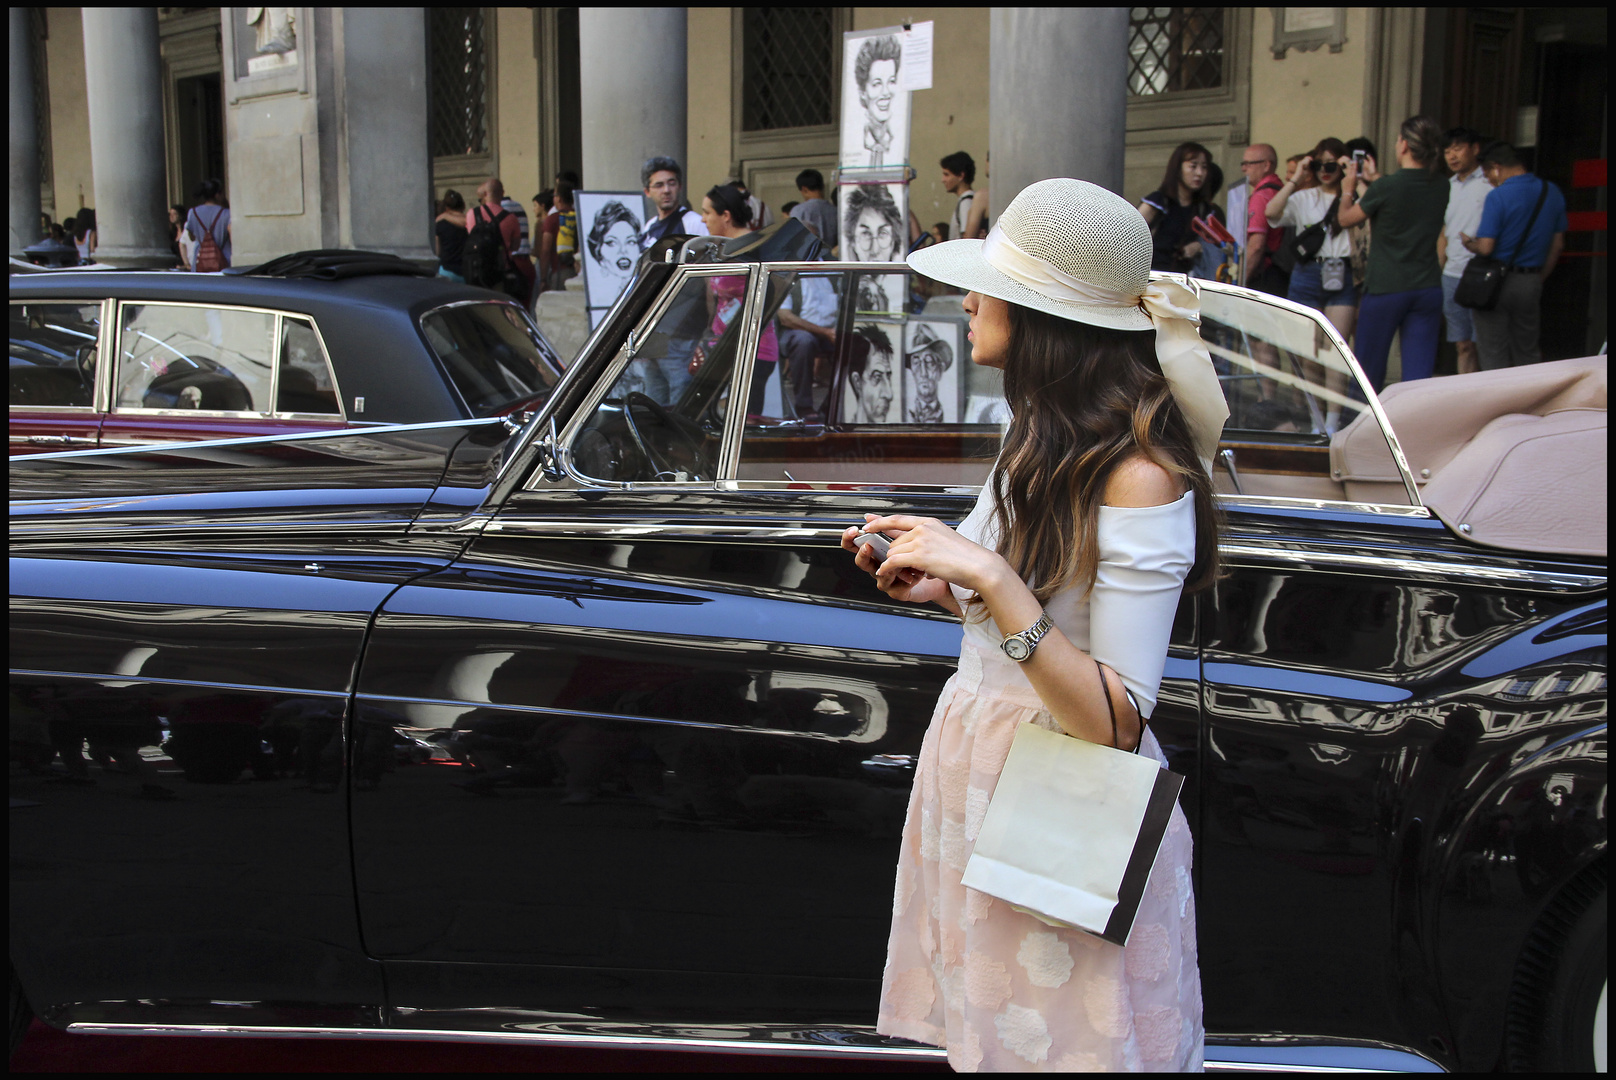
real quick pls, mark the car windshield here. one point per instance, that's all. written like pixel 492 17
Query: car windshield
pixel 493 354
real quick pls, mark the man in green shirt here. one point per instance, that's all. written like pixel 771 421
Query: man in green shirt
pixel 1403 286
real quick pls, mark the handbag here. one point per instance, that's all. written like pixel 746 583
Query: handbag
pixel 1482 282
pixel 1073 830
pixel 1333 275
pixel 1305 245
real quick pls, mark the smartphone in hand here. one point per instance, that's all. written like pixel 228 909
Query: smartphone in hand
pixel 877 545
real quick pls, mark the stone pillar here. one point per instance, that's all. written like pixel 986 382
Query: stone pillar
pixel 632 109
pixel 24 205
pixel 385 185
pixel 123 83
pixel 1057 97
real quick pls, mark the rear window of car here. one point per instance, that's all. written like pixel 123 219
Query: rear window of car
pixel 493 354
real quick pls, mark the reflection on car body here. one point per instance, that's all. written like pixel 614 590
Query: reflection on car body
pixel 654 733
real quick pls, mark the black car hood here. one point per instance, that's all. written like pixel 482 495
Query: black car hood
pixel 366 478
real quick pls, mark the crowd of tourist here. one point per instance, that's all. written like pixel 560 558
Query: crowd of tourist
pixel 1304 232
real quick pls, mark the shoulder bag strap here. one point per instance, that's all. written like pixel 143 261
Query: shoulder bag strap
pixel 1525 235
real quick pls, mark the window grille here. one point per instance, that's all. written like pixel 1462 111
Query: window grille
pixel 1172 49
pixel 459 92
pixel 787 66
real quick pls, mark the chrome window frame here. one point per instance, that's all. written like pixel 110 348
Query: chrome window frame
pixel 741 375
pixel 1371 398
pixel 553 358
pixel 99 390
pixel 614 370
pixel 278 315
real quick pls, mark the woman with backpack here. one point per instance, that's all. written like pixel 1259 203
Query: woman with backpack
pixel 208 224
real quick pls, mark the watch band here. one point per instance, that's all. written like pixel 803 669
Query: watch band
pixel 1019 647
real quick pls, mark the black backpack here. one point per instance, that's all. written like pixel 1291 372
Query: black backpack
pixel 484 260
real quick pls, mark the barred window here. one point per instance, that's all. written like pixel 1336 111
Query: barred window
pixel 786 73
pixel 1174 49
pixel 459 91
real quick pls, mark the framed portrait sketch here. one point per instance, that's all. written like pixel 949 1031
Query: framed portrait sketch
pixel 932 364
pixel 874 229
pixel 870 391
pixel 609 224
pixel 875 113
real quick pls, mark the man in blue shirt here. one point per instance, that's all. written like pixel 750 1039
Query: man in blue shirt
pixel 1507 336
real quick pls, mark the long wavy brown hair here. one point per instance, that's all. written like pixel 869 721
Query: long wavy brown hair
pixel 1083 400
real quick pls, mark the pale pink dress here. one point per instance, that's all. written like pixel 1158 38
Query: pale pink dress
pixel 1002 990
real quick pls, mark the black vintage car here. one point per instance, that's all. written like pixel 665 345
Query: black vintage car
pixel 310 342
pixel 587 730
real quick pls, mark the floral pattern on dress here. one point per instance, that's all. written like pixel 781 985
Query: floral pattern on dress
pixel 999 988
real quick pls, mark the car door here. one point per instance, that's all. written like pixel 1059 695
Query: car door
pixel 677 725
pixel 189 371
pixel 56 402
pixel 1344 709
pixel 185 626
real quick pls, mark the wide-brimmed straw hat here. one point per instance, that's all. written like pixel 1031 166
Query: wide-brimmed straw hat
pixel 1074 249
pixel 1083 232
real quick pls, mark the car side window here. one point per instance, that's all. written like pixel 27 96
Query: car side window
pixel 306 384
pixel 53 354
pixel 885 394
pixel 662 419
pixel 173 356
pixel 1298 424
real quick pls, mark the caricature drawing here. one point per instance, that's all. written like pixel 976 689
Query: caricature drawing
pixel 868 399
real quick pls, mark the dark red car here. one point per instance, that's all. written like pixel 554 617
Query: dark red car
pixel 311 342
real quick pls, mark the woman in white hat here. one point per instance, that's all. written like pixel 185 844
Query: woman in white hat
pixel 1068 574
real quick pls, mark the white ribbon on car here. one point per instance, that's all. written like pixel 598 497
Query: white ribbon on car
pixel 1175 311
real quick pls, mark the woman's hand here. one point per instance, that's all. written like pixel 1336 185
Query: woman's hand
pixel 1371 171
pixel 932 548
pixel 908 585
pixel 1301 170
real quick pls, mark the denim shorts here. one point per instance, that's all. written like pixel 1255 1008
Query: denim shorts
pixel 1461 326
pixel 1307 287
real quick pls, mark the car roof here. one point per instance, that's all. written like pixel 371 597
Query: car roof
pixel 368 322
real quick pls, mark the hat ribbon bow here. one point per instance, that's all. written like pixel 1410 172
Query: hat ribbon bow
pixel 1174 309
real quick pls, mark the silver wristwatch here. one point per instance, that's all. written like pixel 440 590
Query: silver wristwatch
pixel 1020 646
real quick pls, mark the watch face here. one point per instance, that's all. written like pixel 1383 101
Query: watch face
pixel 1016 649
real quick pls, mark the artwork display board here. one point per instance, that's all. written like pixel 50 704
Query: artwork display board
pixel 609 224
pixel 932 370
pixel 875 112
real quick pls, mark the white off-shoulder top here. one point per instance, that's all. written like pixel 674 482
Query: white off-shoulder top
pixel 1146 553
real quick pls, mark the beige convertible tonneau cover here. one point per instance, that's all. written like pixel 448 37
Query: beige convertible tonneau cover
pixel 1512 459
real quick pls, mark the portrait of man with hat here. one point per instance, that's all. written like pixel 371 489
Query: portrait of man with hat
pixel 928 398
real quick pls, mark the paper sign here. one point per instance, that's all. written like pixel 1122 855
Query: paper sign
pixel 916 73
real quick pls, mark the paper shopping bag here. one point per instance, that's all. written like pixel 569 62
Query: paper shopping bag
pixel 1072 832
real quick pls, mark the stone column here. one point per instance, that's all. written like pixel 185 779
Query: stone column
pixel 1057 97
pixel 632 85
pixel 386 170
pixel 24 206
pixel 123 84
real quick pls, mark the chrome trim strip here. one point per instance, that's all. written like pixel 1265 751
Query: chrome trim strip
pixel 753 1046
pixel 618 1042
pixel 1414 565
pixel 1290 502
pixel 57 410
pixel 284 437
pixel 1311 558
pixel 1336 339
pixel 255 688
